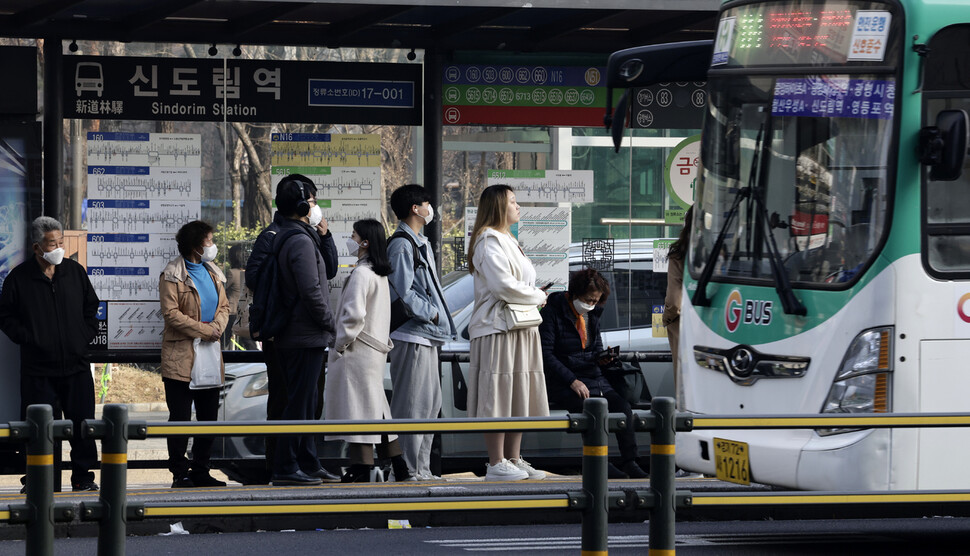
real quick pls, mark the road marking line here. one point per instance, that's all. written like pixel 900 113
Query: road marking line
pixel 215 510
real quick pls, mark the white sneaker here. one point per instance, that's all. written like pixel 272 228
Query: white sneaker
pixel 504 471
pixel 527 467
pixel 426 477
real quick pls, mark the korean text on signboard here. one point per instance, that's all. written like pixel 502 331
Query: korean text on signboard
pixel 190 89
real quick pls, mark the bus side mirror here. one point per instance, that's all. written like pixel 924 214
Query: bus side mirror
pixel 619 120
pixel 943 147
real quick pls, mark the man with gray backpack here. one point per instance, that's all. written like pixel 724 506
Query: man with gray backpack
pixel 423 321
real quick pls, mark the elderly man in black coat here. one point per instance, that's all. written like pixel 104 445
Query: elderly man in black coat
pixel 571 348
pixel 49 308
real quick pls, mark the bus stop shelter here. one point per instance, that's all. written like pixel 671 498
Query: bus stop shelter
pixel 439 27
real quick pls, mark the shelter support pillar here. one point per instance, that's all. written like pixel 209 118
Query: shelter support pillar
pixel 53 128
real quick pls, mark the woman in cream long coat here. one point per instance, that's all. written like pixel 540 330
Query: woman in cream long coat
pixel 505 375
pixel 355 369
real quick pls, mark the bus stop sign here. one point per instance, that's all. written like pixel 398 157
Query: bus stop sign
pixel 215 90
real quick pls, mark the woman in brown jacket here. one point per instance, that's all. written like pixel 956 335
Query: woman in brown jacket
pixel 675 285
pixel 194 305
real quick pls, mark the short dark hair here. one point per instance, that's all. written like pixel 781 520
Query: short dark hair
pixel 291 190
pixel 237 257
pixel 587 280
pixel 190 237
pixel 407 196
pixel 372 232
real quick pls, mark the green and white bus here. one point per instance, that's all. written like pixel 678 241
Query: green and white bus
pixel 828 269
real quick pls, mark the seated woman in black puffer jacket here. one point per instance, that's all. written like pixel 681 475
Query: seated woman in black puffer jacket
pixel 571 344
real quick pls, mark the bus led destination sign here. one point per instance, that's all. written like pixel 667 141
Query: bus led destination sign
pixel 837 97
pixel 800 33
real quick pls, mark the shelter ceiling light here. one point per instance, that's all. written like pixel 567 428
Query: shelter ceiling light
pixel 213 50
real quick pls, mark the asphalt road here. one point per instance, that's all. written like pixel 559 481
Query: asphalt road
pixel 937 536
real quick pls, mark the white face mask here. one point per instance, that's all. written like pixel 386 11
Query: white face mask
pixel 316 215
pixel 54 257
pixel 582 308
pixel 353 247
pixel 209 253
pixel 430 216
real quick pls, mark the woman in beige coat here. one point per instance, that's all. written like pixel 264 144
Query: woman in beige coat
pixel 194 305
pixel 505 376
pixel 355 368
pixel 675 285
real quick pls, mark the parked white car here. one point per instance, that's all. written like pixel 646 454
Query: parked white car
pixel 626 322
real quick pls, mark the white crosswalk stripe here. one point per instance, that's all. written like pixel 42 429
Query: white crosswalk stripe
pixel 536 543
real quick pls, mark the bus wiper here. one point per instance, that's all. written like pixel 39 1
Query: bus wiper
pixel 700 295
pixel 789 303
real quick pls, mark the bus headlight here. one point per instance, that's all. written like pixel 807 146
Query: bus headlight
pixel 863 382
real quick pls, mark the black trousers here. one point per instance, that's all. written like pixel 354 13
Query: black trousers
pixel 74 396
pixel 301 371
pixel 627 438
pixel 277 398
pixel 363 454
pixel 179 398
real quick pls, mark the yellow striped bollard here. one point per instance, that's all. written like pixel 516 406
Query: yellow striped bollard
pixel 40 480
pixel 663 467
pixel 595 451
pixel 114 482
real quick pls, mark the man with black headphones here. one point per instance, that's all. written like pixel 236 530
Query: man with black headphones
pixel 307 261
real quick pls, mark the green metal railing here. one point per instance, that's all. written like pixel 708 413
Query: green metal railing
pixel 112 511
pixel 594 501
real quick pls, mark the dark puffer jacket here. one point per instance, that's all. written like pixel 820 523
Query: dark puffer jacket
pixel 563 356
pixel 263 248
pixel 304 275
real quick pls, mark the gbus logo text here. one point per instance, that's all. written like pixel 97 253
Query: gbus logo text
pixel 751 311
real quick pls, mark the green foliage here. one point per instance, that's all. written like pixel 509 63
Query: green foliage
pixel 228 234
pixel 104 382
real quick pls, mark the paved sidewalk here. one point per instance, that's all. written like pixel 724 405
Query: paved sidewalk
pixel 452 486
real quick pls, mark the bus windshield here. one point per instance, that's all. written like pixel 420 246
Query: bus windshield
pixel 814 151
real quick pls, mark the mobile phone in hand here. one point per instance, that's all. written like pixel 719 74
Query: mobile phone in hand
pixel 609 353
pixel 547 286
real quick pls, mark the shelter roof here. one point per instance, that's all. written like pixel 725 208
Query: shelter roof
pixel 591 26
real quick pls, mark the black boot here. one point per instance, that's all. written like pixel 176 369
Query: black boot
pixel 633 470
pixel 614 472
pixel 357 473
pixel 401 471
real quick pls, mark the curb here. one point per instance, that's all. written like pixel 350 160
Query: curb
pixel 144 407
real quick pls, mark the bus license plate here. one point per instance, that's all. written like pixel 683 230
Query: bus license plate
pixel 731 461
